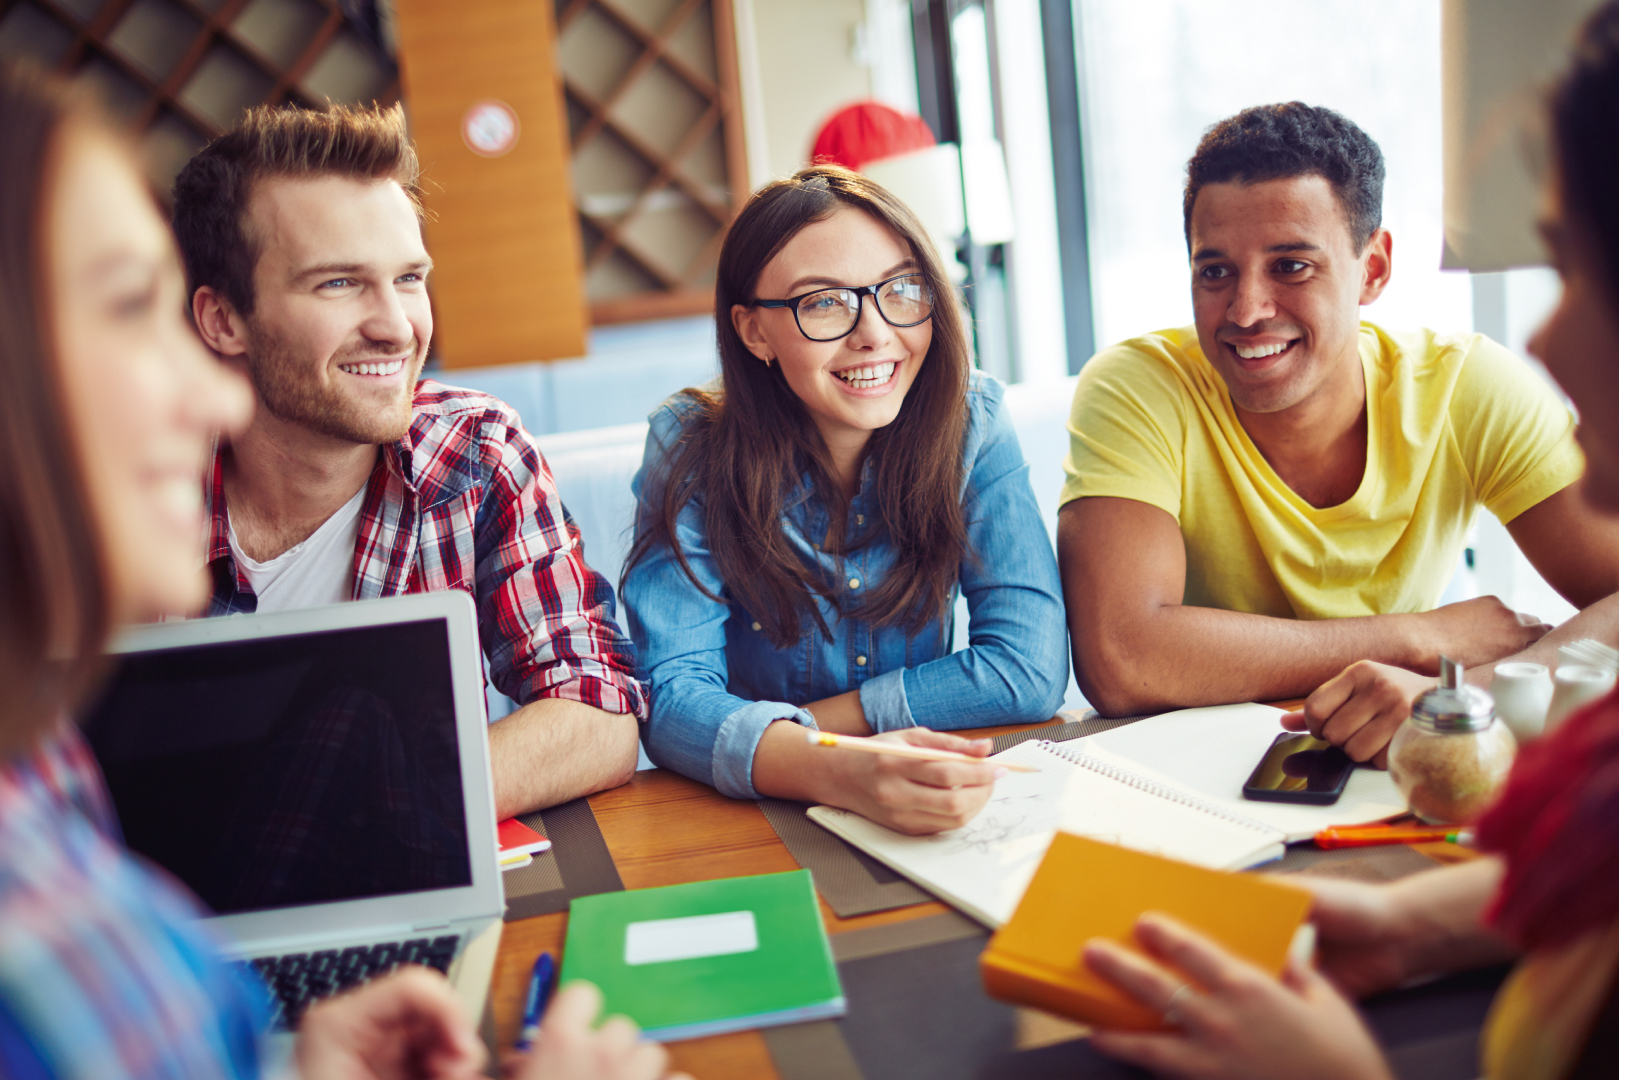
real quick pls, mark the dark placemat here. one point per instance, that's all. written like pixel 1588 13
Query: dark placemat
pixel 853 883
pixel 1386 862
pixel 920 1012
pixel 578 864
pixel 850 881
pixel 811 1052
pixel 1075 725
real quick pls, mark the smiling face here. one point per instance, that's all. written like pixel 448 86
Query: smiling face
pixel 1580 344
pixel 144 396
pixel 856 384
pixel 1277 287
pixel 341 321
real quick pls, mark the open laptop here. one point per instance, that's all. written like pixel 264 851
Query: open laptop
pixel 321 780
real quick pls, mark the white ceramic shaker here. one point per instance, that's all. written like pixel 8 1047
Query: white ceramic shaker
pixel 1575 685
pixel 1523 694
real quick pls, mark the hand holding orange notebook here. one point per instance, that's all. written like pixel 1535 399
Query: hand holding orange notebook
pixel 1086 889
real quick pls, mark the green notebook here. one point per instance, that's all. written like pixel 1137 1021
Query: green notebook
pixel 706 958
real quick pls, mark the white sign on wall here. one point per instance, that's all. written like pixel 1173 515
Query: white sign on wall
pixel 490 128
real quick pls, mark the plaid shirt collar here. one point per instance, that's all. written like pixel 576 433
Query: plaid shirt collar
pixel 395 491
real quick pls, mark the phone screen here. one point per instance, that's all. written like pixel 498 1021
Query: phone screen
pixel 1299 768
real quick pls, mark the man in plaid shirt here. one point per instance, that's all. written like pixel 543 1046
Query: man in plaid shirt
pixel 302 237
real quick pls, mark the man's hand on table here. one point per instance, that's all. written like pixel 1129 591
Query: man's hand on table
pixel 1475 632
pixel 568 1047
pixel 1360 709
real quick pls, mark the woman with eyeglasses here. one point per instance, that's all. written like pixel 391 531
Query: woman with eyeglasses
pixel 806 522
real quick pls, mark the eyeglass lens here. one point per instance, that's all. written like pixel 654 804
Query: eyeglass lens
pixel 834 313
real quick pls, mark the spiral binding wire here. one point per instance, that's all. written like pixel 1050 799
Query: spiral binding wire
pixel 1152 787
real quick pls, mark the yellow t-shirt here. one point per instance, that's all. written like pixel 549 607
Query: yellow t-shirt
pixel 1454 421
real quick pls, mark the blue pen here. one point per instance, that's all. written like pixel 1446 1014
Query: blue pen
pixel 536 1000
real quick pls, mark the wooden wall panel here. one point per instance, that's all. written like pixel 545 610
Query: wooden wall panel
pixel 503 231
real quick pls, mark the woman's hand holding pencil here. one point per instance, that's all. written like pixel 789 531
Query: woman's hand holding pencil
pixel 916 781
pixel 898 749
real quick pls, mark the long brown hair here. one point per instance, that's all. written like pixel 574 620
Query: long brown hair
pixel 54 607
pixel 749 445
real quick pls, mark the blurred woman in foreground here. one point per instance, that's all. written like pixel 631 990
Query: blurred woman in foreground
pixel 1551 890
pixel 105 425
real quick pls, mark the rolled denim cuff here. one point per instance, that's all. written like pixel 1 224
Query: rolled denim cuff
pixel 886 706
pixel 736 745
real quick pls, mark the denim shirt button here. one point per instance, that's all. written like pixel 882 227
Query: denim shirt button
pixel 860 519
pixel 853 583
pixel 756 626
pixel 862 660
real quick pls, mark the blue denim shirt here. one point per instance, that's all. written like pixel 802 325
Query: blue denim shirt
pixel 716 683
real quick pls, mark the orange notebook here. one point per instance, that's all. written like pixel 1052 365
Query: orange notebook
pixel 1085 889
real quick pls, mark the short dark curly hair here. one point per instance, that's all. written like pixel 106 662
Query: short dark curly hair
pixel 1279 142
pixel 212 191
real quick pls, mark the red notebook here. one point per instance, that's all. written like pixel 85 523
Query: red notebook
pixel 515 838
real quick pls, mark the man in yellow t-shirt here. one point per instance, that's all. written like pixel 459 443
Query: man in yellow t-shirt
pixel 1270 503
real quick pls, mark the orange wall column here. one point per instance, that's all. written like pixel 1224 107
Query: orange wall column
pixel 507 283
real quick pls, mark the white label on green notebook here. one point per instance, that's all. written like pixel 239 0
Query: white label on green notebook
pixel 691 937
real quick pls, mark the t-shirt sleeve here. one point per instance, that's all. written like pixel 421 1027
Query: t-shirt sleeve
pixel 1516 437
pixel 1126 429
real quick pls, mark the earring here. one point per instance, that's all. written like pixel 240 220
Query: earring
pixel 768 360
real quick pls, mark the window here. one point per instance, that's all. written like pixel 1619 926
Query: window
pixel 1157 73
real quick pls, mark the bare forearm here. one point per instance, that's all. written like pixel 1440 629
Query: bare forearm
pixel 1599 621
pixel 554 750
pixel 786 766
pixel 1177 656
pixel 1442 917
pixel 842 714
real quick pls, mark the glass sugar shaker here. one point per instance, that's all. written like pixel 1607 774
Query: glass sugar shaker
pixel 1451 759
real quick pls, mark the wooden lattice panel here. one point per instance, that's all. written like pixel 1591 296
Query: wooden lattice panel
pixel 657 152
pixel 179 72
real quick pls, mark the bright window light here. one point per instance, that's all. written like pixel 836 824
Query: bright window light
pixel 1157 73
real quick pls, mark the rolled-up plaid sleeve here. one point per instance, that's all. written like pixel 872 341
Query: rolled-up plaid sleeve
pixel 547 619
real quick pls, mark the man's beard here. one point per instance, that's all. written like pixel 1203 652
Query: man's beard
pixel 288 390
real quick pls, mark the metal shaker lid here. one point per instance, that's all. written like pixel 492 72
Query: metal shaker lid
pixel 1453 706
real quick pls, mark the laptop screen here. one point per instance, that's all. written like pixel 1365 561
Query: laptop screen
pixel 290 770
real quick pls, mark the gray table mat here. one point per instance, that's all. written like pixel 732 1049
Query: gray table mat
pixel 918 1011
pixel 850 881
pixel 578 864
pixel 853 883
pixel 1375 864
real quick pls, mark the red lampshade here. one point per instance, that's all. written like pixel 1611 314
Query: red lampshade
pixel 870 131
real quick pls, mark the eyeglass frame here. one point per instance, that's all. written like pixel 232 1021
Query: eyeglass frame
pixel 872 291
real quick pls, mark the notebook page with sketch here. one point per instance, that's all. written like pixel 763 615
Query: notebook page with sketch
pixel 1210 753
pixel 984 867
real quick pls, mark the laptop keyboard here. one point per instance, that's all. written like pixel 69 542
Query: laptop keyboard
pixel 299 980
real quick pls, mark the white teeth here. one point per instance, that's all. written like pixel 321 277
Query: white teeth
pixel 389 368
pixel 1257 351
pixel 868 376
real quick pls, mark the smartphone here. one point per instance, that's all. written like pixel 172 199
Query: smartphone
pixel 1300 768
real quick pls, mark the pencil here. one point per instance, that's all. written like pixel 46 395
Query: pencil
pixel 893 749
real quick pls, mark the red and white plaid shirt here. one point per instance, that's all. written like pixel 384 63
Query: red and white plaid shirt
pixel 465 501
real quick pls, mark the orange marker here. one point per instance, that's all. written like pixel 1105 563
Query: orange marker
pixel 1373 835
pixel 893 749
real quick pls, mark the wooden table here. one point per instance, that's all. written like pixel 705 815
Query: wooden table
pixel 665 829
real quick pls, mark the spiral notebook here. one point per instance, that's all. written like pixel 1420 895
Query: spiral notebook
pixel 1106 788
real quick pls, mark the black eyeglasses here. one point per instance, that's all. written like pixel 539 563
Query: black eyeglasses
pixel 828 314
